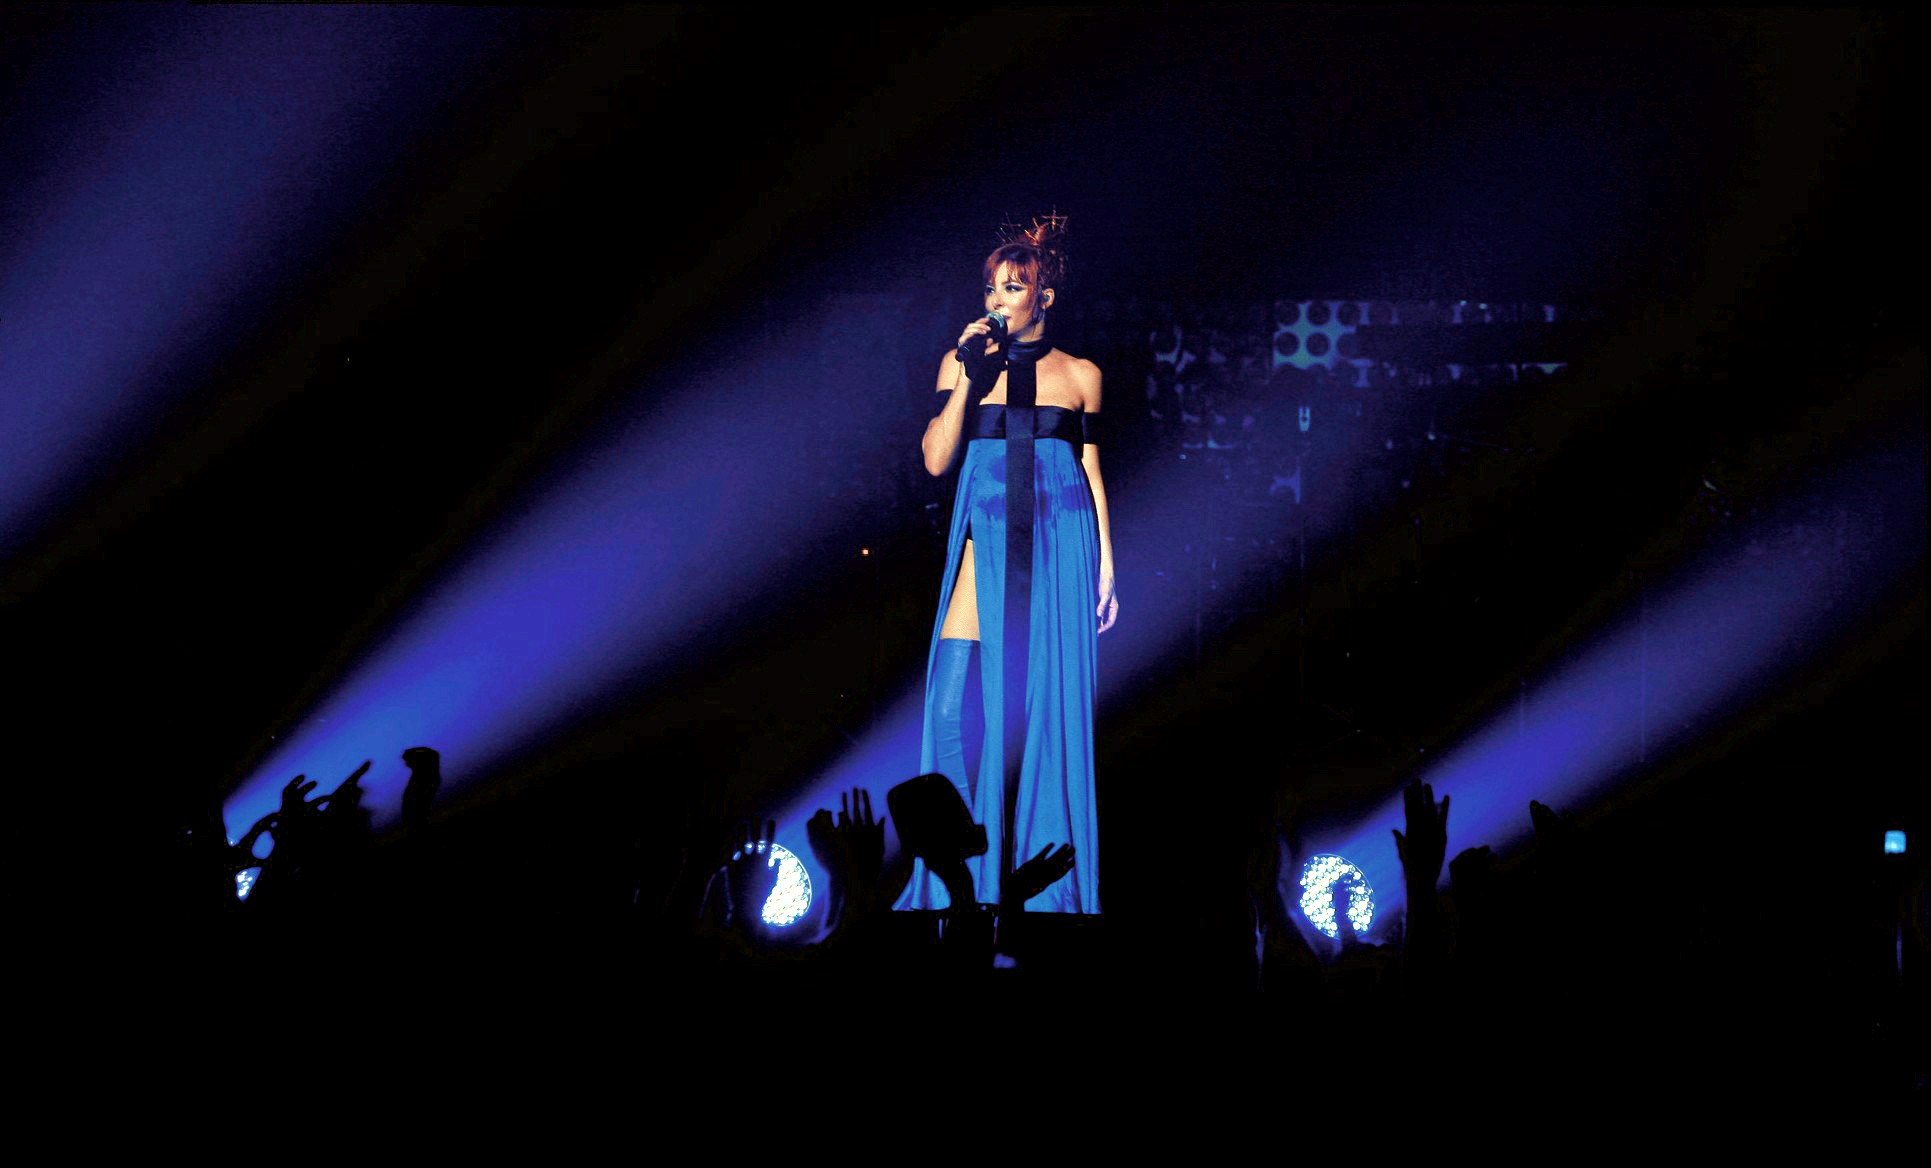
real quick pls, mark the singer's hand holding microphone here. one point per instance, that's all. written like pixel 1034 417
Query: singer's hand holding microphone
pixel 981 366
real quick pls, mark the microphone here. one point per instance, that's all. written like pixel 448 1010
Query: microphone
pixel 998 333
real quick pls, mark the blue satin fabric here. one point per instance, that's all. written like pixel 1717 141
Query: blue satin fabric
pixel 1056 801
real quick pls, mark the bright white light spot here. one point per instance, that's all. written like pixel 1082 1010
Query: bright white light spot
pixel 244 880
pixel 789 900
pixel 1318 878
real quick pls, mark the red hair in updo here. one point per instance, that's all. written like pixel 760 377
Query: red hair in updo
pixel 1035 253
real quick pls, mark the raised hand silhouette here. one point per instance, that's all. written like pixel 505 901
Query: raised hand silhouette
pixel 864 838
pixel 1036 876
pixel 828 846
pixel 295 795
pixel 243 852
pixel 1289 966
pixel 343 806
pixel 751 874
pixel 1424 943
pixel 851 852
pixel 1426 843
pixel 294 826
pixel 1342 898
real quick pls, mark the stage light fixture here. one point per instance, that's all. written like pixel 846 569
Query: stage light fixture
pixel 1318 878
pixel 245 880
pixel 1893 843
pixel 792 896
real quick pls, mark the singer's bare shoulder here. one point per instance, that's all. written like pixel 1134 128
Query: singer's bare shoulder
pixel 1085 377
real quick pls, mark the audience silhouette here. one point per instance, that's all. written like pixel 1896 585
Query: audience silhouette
pixel 1507 965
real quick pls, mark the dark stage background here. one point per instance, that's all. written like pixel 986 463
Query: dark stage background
pixel 749 237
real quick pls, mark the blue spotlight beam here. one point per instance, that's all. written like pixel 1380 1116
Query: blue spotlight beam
pixel 187 162
pixel 608 573
pixel 1724 632
pixel 626 562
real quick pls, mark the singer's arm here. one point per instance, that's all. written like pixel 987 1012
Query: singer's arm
pixel 1088 375
pixel 941 443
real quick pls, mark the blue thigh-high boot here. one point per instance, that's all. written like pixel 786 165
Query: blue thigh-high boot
pixel 948 711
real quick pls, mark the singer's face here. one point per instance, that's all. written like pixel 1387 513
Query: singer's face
pixel 1012 299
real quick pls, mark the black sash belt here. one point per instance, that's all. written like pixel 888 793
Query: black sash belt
pixel 1021 418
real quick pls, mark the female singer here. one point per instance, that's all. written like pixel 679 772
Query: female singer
pixel 1015 400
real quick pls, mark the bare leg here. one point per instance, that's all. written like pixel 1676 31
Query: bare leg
pixel 962 611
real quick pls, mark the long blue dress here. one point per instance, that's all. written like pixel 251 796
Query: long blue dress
pixel 1055 802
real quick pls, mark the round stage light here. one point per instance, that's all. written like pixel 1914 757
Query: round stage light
pixel 789 900
pixel 1318 878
